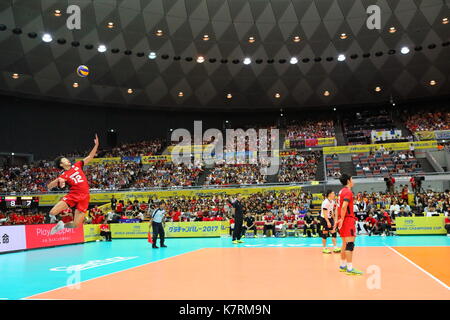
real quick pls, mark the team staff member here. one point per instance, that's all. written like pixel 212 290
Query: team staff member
pixel 347 225
pixel 105 232
pixel 238 209
pixel 309 226
pixel 326 219
pixel 249 224
pixel 157 220
pixel 269 224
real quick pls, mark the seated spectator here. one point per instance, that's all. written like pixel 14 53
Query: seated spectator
pixel 105 232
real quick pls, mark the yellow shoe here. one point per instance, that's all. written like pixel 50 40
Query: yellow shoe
pixel 240 241
pixel 342 269
pixel 354 272
pixel 326 251
pixel 304 236
pixel 235 242
pixel 337 250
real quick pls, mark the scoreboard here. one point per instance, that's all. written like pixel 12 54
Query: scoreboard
pixel 12 202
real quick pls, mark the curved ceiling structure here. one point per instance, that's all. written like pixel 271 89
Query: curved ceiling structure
pixel 256 53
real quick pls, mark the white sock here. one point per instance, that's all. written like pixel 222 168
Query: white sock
pixel 349 266
pixel 343 263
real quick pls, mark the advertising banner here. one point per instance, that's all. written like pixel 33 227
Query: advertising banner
pixel 361 148
pixel 172 229
pixel 129 230
pixel 103 160
pixel 426 135
pixel 442 135
pixel 326 141
pixel 150 159
pixel 12 238
pixel 193 229
pixel 420 225
pixel 91 232
pixel 38 236
pixel 134 159
pixel 105 197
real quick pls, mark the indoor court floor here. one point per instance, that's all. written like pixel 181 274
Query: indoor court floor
pixel 408 267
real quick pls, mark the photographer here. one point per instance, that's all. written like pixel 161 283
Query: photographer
pixel 390 184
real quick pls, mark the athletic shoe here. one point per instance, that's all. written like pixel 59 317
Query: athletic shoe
pixel 155 247
pixel 336 250
pixel 59 226
pixel 304 236
pixel 354 272
pixel 315 235
pixel 326 251
pixel 448 235
pixel 343 269
pixel 234 242
pixel 240 241
pixel 163 246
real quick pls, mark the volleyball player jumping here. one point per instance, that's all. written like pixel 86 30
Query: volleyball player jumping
pixel 78 195
pixel 347 225
pixel 327 214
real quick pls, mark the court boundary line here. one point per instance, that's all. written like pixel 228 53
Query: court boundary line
pixel 105 275
pixel 420 268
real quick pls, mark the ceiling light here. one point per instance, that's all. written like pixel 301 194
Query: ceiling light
pixel 251 39
pixel 75 85
pixel 180 94
pixel 277 95
pixel 200 59
pixel 247 61
pixel 326 93
pixel 433 82
pixel 377 89
pixel 205 37
pixel 296 39
pixel 445 20
pixel 47 37
pixel 334 109
pixel 130 91
pixel 343 36
pixel 101 48
pixel 404 50
pixel 110 25
pixel 57 13
pixel 392 30
pixel 341 57
pixel 229 96
pixel 152 55
pixel 293 60
pixel 159 33
pixel 15 76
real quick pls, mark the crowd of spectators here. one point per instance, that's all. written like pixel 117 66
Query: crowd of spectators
pixel 112 176
pixel 137 149
pixel 27 178
pixel 227 174
pixel 20 217
pixel 428 121
pixel 307 129
pixel 168 174
pixel 299 167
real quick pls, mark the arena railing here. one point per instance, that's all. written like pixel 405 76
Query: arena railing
pixel 330 181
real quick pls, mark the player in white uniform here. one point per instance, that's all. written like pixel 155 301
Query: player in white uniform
pixel 327 214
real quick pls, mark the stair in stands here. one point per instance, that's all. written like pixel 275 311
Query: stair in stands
pixel 202 176
pixel 320 173
pixel 340 139
pixel 348 168
pixel 426 165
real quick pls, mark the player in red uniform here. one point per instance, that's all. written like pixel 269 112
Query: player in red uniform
pixel 346 223
pixel 78 195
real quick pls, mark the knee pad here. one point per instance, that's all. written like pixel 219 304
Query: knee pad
pixel 350 246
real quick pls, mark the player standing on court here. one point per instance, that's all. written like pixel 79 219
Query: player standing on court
pixel 327 214
pixel 347 225
pixel 78 195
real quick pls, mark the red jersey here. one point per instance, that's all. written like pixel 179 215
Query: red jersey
pixel 290 218
pixel 346 195
pixel 371 220
pixel 269 218
pixel 76 179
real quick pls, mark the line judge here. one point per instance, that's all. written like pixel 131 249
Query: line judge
pixel 157 223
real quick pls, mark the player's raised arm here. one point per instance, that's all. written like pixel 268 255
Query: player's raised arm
pixel 93 151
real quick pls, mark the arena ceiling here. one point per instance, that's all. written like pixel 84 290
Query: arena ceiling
pixel 32 67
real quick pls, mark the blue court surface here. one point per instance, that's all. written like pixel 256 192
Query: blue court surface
pixel 32 272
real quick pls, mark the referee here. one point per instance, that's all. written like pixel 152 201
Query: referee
pixel 238 209
pixel 157 220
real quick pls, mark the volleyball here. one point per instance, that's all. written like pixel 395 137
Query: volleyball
pixel 83 71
